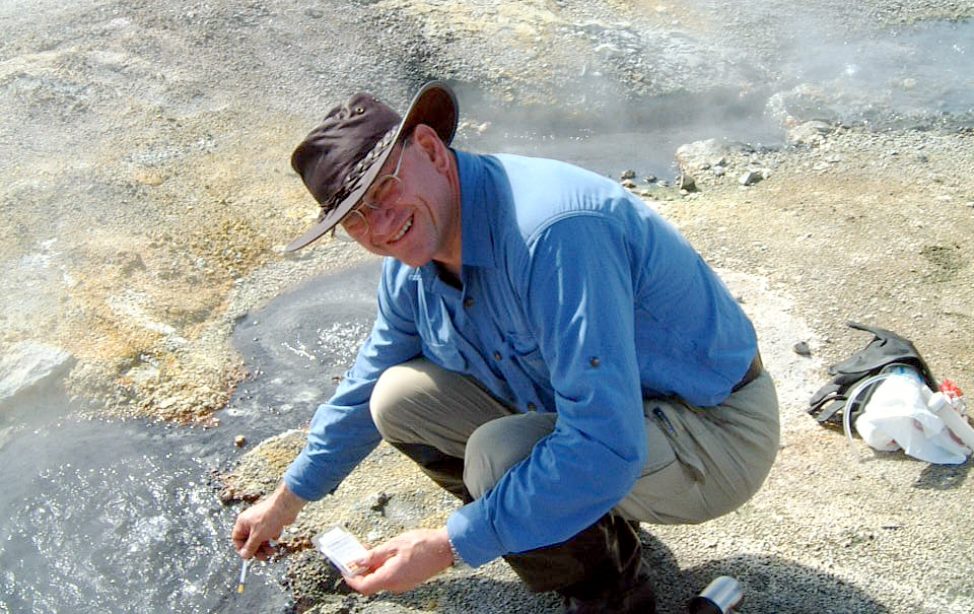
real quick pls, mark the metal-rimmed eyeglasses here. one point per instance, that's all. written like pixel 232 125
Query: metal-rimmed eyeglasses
pixel 384 192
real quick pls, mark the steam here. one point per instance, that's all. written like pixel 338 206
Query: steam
pixel 625 109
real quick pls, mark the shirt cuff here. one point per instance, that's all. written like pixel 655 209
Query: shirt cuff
pixel 296 478
pixel 471 535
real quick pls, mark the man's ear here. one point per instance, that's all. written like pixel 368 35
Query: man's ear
pixel 432 146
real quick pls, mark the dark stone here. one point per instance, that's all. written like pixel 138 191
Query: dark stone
pixel 801 348
pixel 380 503
pixel 751 177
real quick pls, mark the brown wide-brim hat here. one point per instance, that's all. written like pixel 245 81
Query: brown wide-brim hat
pixel 339 160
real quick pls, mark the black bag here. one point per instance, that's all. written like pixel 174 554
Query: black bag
pixel 886 348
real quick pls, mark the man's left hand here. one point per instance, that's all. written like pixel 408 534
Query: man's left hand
pixel 403 562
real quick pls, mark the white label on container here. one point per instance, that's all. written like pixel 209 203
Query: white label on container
pixel 341 548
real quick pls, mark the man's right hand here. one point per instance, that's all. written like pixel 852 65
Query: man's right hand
pixel 257 525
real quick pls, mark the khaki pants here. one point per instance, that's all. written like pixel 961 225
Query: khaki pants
pixel 702 462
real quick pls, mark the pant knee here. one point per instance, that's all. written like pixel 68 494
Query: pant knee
pixel 495 447
pixel 390 404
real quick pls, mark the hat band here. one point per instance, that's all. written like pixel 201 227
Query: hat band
pixel 356 173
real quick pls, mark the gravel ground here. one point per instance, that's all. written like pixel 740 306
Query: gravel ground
pixel 146 196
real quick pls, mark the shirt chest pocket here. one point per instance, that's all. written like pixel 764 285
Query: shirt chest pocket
pixel 441 340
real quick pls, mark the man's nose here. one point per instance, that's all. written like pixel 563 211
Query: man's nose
pixel 382 221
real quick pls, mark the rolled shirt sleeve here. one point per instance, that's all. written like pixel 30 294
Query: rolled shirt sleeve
pixel 342 432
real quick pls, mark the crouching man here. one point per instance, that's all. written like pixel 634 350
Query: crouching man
pixel 547 348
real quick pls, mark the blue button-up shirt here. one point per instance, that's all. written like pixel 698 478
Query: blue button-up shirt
pixel 575 298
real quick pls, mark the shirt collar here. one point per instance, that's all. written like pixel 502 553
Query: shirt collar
pixel 477 223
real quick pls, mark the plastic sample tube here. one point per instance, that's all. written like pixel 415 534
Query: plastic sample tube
pixel 243 576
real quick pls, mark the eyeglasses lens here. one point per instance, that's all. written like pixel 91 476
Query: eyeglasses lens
pixel 385 192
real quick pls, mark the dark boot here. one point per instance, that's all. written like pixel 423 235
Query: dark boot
pixel 636 599
pixel 445 470
pixel 598 570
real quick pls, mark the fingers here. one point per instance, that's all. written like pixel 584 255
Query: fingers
pixel 264 552
pixel 257 526
pixel 252 533
pixel 376 570
pixel 267 550
pixel 370 583
pixel 362 566
pixel 252 547
pixel 404 562
pixel 375 558
pixel 240 533
pixel 259 546
pixel 255 547
pixel 245 534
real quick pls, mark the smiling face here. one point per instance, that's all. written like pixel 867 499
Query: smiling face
pixel 421 222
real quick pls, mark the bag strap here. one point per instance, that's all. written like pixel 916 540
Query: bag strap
pixel 885 348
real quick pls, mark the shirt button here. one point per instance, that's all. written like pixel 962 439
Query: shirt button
pixel 497 355
pixel 532 407
pixel 468 302
pixel 595 361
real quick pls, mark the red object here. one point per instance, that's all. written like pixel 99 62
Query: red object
pixel 950 389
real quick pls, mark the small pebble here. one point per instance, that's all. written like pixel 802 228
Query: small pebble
pixel 379 502
pixel 750 178
pixel 801 348
pixel 240 441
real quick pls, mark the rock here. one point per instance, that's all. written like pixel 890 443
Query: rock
pixel 259 471
pixel 693 157
pixel 751 177
pixel 379 502
pixel 28 364
pixel 628 183
pixel 240 441
pixel 374 536
pixel 628 174
pixel 687 183
pixel 801 104
pixel 314 583
pixel 801 348
pixel 811 133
